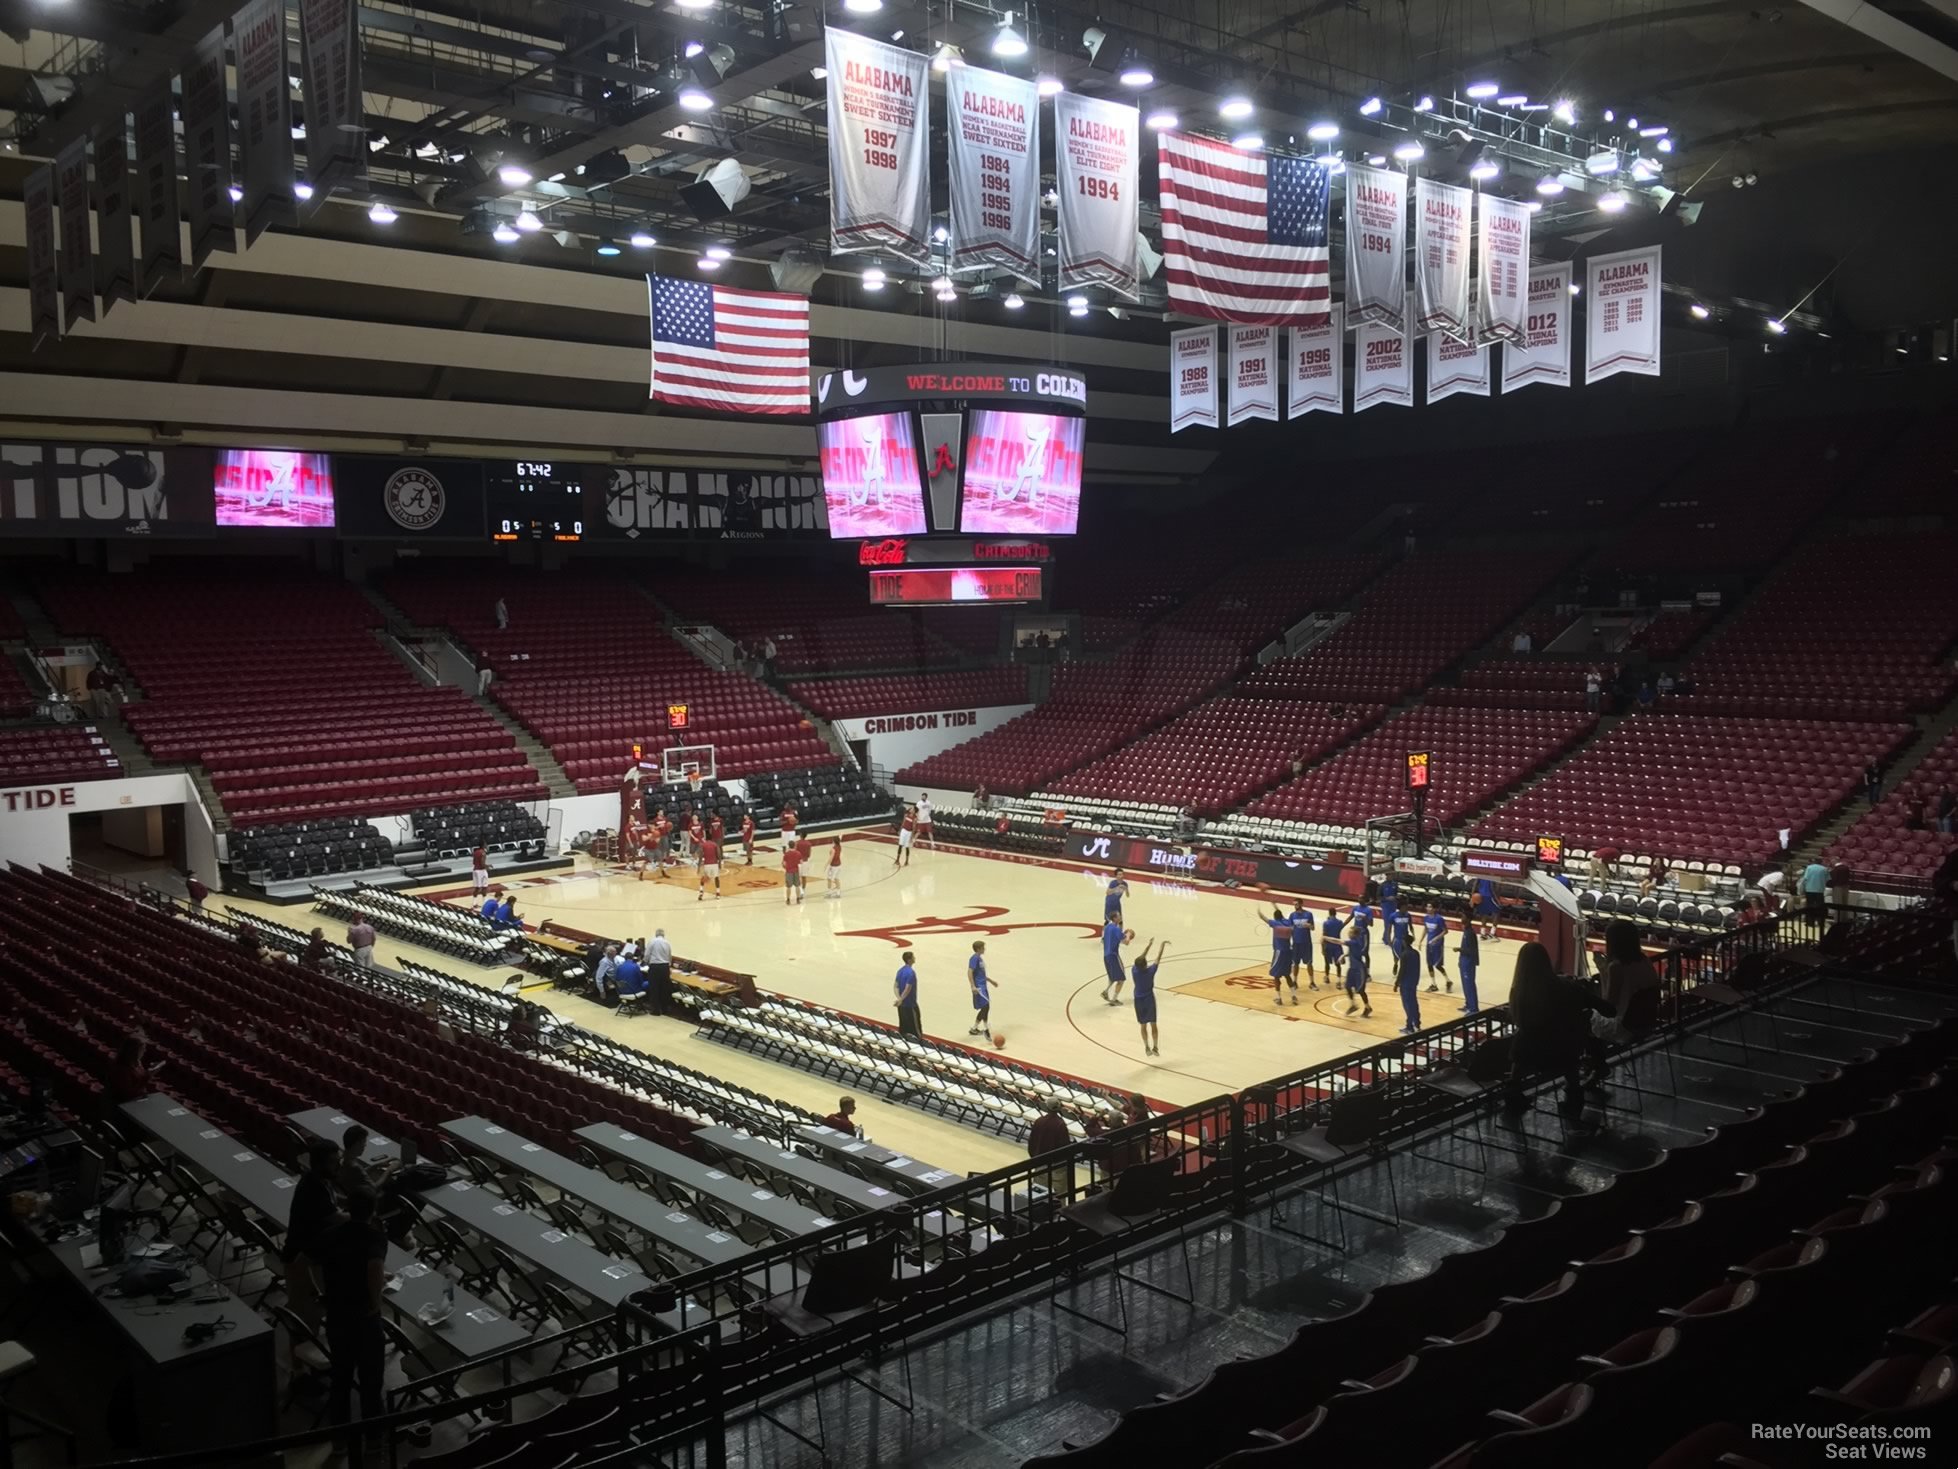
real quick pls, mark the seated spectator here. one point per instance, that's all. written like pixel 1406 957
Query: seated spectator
pixel 490 906
pixel 357 1171
pixel 432 1008
pixel 1550 1033
pixel 314 958
pixel 248 941
pixel 1645 693
pixel 602 974
pixel 1656 876
pixel 521 1033
pixel 506 913
pixel 1917 814
pixel 1626 1015
pixel 130 1079
pixel 981 797
pixel 1666 684
pixel 842 1119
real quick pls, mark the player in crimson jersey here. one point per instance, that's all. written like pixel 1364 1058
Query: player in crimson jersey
pixel 710 866
pixel 907 832
pixel 788 826
pixel 748 836
pixel 696 834
pixel 791 874
pixel 662 842
pixel 833 878
pixel 717 829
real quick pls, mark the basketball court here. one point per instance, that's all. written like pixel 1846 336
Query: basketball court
pixel 1041 921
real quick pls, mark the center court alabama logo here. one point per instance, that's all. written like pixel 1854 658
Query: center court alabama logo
pixel 414 499
pixel 977 920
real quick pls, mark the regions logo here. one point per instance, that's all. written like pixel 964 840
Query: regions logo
pixel 414 498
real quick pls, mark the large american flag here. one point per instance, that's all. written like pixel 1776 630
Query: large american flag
pixel 735 351
pixel 1244 235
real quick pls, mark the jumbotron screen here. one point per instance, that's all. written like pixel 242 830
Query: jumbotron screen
pixel 940 586
pixel 270 487
pixel 873 483
pixel 1022 473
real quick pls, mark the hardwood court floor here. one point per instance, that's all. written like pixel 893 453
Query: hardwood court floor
pixel 1041 923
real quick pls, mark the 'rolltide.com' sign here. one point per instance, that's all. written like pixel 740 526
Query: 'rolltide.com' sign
pixel 1321 879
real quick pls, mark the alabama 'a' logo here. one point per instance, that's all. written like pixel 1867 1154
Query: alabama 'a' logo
pixel 982 921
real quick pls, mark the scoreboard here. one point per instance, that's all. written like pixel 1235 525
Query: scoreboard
pixel 539 500
pixel 955 585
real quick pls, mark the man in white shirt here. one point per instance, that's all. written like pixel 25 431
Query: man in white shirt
pixel 659 970
pixel 924 818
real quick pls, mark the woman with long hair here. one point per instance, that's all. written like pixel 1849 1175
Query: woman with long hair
pixel 1547 1011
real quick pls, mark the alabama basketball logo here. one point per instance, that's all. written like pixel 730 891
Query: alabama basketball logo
pixel 414 498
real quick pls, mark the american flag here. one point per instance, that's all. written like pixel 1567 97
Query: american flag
pixel 1244 235
pixel 736 351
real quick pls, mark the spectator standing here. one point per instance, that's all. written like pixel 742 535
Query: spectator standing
pixel 1815 891
pixel 1049 1132
pixel 843 1119
pixel 658 964
pixel 909 1022
pixel 1872 781
pixel 130 1079
pixel 1468 958
pixel 1549 1033
pixel 195 890
pixel 924 819
pixel 1604 863
pixel 360 938
pixel 313 1209
pixel 479 871
pixel 1409 984
pixel 351 1254
pixel 502 615
pixel 101 695
pixel 432 1008
pixel 1947 809
pixel 1593 689
pixel 981 797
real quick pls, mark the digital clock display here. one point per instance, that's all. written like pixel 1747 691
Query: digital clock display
pixel 955 584
pixel 539 500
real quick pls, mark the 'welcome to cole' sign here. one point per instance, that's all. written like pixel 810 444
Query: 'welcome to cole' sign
pixel 41 798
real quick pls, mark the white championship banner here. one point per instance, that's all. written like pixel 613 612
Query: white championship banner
pixel 264 117
pixel 1456 366
pixel 1376 242
pixel 1313 375
pixel 1502 269
pixel 43 279
pixel 162 257
pixel 336 127
pixel 1544 355
pixel 1383 363
pixel 77 254
pixel 1254 373
pixel 1095 171
pixel 207 150
pixel 115 253
pixel 879 147
pixel 1441 256
pixel 1193 378
pixel 992 150
pixel 1621 314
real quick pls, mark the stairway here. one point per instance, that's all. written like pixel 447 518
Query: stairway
pixel 541 759
pixel 1895 774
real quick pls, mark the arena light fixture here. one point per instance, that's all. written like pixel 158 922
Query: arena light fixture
pixel 1550 186
pixel 1600 164
pixel 640 240
pixel 1322 132
pixel 1611 203
pixel 1161 120
pixel 1136 73
pixel 1049 86
pixel 1007 41
pixel 941 234
pixel 1480 90
pixel 1535 206
pixel 302 191
pixel 505 233
pixel 693 4
pixel 1644 170
pixel 1514 99
pixel 718 253
pixel 1081 310
pixel 513 175
pixel 608 247
pixel 1665 145
pixel 1654 132
pixel 529 223
pixel 427 150
pixel 819 73
pixel 380 213
pixel 237 194
pixel 692 49
pixel 1632 123
pixel 863 7
pixel 695 98
pixel 1074 301
pixel 707 262
pixel 1426 104
pixel 1248 142
pixel 299 132
pixel 1610 116
pixel 1236 107
pixel 1777 325
pixel 1013 301
pixel 1575 288
pixel 1409 151
pixel 1371 107
pixel 1375 160
pixel 1484 170
pixel 942 284
pixel 1700 313
pixel 946 57
pixel 1565 112
pixel 874 277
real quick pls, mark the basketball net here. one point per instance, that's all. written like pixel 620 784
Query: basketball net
pixel 693 780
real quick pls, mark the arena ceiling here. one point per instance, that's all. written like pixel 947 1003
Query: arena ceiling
pixel 1810 113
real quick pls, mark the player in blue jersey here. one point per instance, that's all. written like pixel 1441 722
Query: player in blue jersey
pixel 1281 957
pixel 1143 974
pixel 1302 937
pixel 1485 907
pixel 1329 944
pixel 1390 894
pixel 1400 933
pixel 1113 897
pixel 1356 970
pixel 982 991
pixel 1435 927
pixel 1360 920
pixel 1113 936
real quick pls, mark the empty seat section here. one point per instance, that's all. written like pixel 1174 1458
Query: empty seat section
pixel 56 752
pixel 1899 838
pixel 904 693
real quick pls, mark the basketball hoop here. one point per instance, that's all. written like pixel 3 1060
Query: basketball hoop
pixel 693 778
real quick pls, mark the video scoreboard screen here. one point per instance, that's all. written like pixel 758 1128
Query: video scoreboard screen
pixel 540 500
pixel 955 585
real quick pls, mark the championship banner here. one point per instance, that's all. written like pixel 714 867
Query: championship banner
pixel 207 150
pixel 1621 314
pixel 43 288
pixel 879 147
pixel 1095 172
pixel 1313 368
pixel 1544 355
pixel 1502 270
pixel 1383 364
pixel 1254 374
pixel 156 189
pixel 1193 378
pixel 77 254
pixel 115 266
pixel 1441 256
pixel 1456 367
pixel 992 150
pixel 336 127
pixel 264 116
pixel 1376 241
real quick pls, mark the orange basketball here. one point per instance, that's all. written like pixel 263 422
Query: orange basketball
pixel 999 1042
